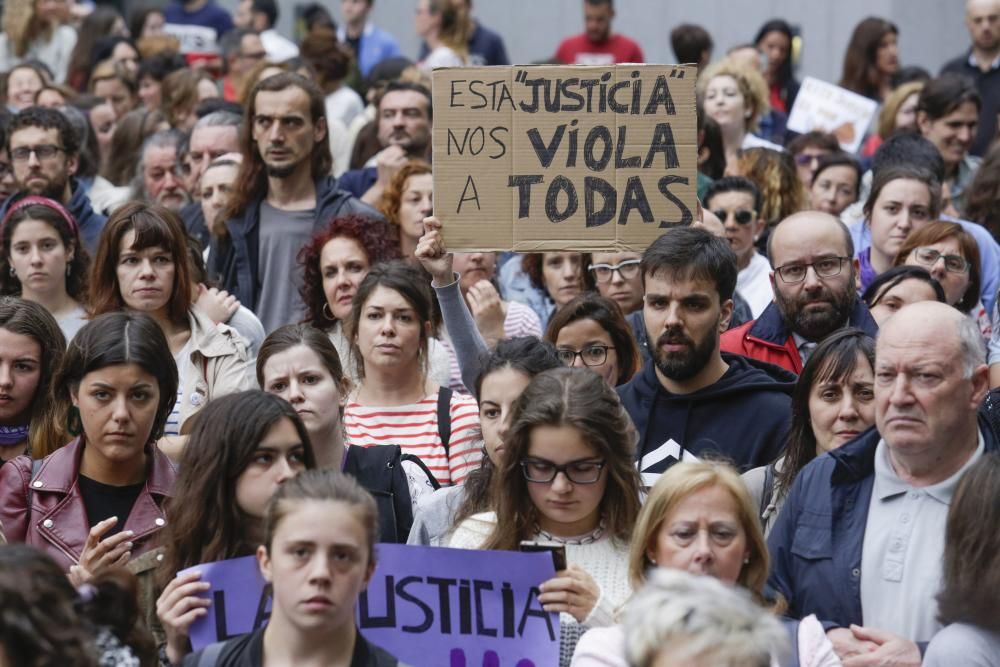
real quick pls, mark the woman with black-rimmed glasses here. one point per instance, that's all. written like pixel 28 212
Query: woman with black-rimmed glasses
pixel 950 254
pixel 568 476
pixel 590 331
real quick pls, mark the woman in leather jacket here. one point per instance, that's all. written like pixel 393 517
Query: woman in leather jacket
pixel 96 503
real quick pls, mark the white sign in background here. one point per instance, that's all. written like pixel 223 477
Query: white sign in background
pixel 828 108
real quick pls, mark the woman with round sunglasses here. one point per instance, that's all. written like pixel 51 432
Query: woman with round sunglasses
pixel 735 200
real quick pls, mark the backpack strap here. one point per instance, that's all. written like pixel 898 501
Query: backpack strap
pixel 444 417
pixel 765 498
pixel 210 654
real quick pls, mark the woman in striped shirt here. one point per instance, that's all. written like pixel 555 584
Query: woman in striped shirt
pixel 395 402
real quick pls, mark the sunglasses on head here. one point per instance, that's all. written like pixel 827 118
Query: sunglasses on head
pixel 743 216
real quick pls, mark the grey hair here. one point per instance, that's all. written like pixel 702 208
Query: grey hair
pixel 159 139
pixel 971 345
pixel 220 118
pixel 700 617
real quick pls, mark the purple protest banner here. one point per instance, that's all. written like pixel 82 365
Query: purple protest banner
pixel 239 600
pixel 435 607
pixel 428 606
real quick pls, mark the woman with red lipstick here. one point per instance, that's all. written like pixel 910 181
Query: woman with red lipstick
pixel 833 402
pixel 567 476
pixel 242 448
pixel 318 555
pixel 395 401
pixel 334 263
pixel 42 260
pixel 142 264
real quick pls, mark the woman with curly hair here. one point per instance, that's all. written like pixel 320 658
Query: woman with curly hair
pixel 407 200
pixel 736 98
pixel 774 174
pixel 334 263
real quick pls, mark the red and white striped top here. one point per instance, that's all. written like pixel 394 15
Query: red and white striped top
pixel 414 428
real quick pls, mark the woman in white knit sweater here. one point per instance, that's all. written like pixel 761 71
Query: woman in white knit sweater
pixel 568 476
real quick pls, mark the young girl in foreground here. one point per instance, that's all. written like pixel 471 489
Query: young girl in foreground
pixel 567 475
pixel 318 555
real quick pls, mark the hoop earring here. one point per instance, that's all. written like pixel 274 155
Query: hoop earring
pixel 327 313
pixel 74 426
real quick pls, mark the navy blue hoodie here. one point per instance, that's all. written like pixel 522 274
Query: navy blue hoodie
pixel 743 417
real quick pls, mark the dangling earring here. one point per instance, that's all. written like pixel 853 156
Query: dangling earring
pixel 327 313
pixel 69 270
pixel 73 424
pixel 13 273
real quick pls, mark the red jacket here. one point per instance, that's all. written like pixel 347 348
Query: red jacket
pixel 769 339
pixel 57 521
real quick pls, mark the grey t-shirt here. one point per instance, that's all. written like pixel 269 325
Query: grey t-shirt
pixel 282 235
pixel 966 645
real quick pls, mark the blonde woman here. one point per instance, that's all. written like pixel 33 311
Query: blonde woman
pixel 735 97
pixel 446 31
pixel 699 518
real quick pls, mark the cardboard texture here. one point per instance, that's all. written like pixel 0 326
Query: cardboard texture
pixel 572 158
pixel 828 108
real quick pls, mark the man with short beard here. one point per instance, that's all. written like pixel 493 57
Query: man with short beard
pixel 814 276
pixel 44 155
pixel 692 400
pixel 283 196
pixel 158 179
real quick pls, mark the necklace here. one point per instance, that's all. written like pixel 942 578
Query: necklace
pixel 586 538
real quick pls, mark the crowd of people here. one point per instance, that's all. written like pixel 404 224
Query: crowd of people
pixel 230 326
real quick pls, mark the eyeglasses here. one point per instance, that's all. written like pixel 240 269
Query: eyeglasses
pixel 603 272
pixel 42 152
pixel 952 263
pixel 592 355
pixel 541 471
pixel 802 159
pixel 743 216
pixel 824 268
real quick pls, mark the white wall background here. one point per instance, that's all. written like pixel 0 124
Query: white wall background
pixel 931 31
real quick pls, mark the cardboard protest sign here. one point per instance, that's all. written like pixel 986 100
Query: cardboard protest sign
pixel 428 606
pixel 536 158
pixel 828 108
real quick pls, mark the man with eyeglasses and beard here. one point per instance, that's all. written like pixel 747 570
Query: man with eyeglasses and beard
pixel 44 153
pixel 815 280
pixel 692 400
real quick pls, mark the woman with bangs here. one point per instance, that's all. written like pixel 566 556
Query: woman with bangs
pixel 141 264
pixel 951 255
pixel 833 402
pixel 567 476
pixel 43 260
